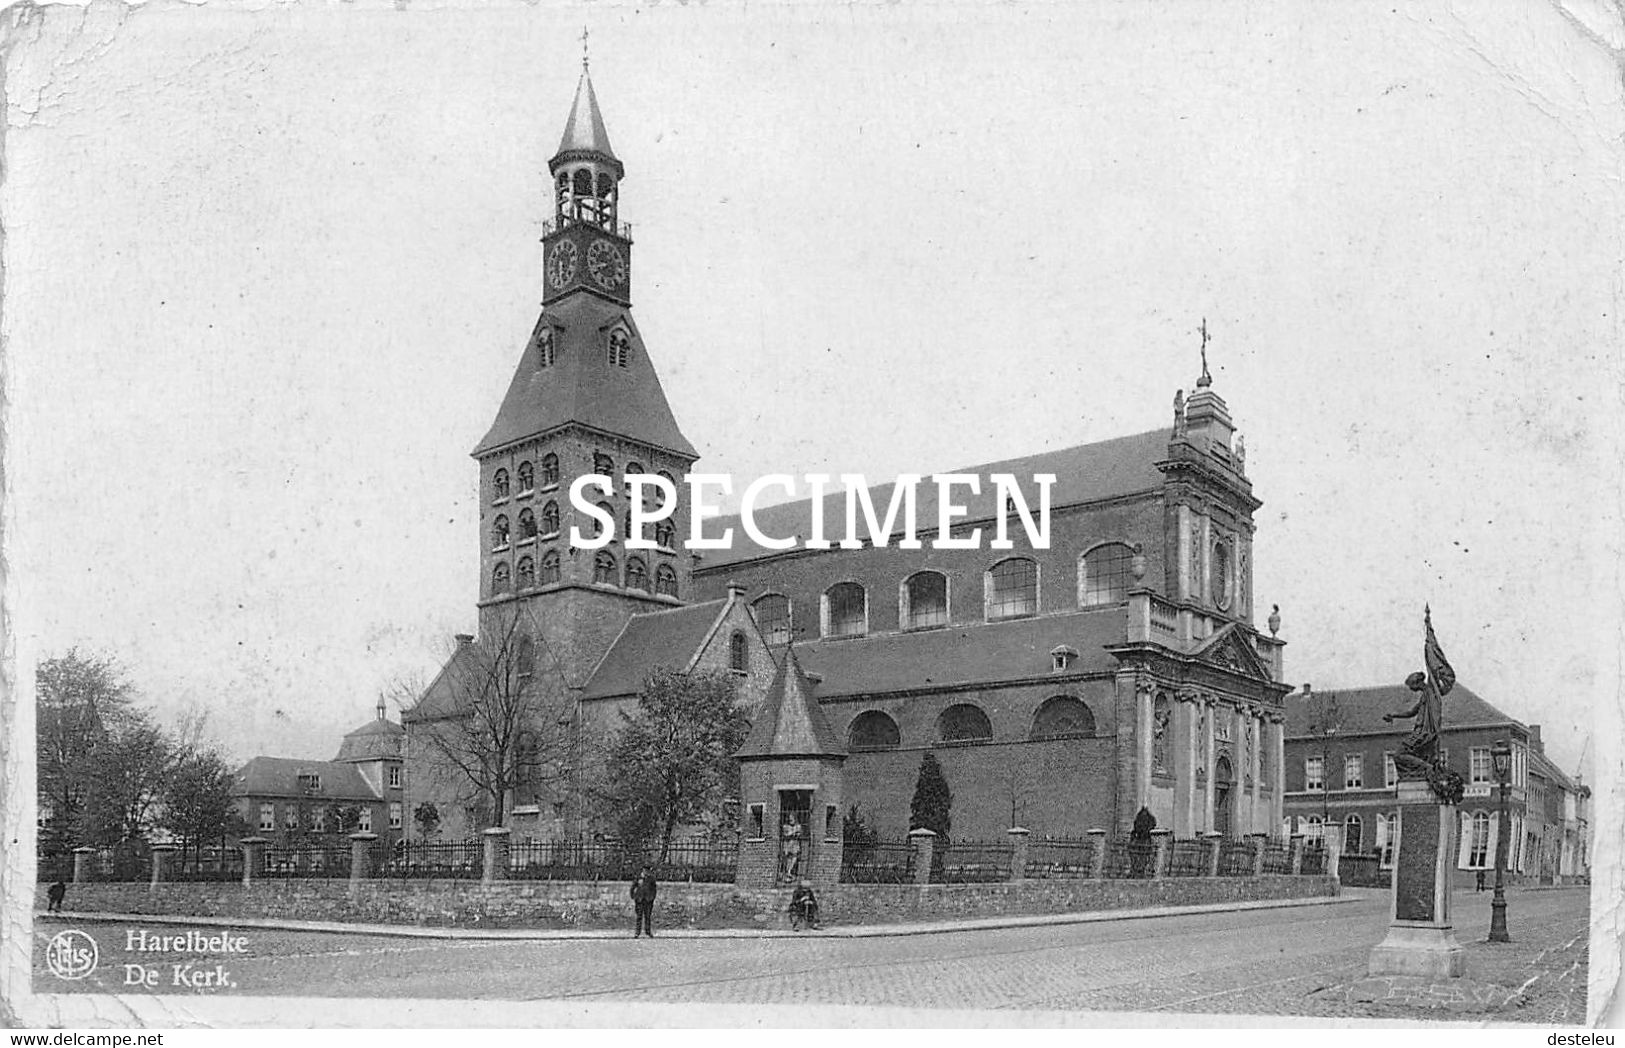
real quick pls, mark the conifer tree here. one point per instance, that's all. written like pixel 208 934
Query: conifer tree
pixel 930 808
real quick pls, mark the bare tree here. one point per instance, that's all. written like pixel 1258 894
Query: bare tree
pixel 500 717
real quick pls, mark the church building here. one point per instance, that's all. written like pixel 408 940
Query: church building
pixel 1061 688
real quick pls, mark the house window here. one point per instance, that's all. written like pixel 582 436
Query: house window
pixel 1479 843
pixel 1480 767
pixel 620 348
pixel 772 613
pixel 1106 573
pixel 395 776
pixel 637 575
pixel 1353 830
pixel 499 485
pixel 846 610
pixel 739 652
pixel 1313 828
pixel 267 816
pixel 527 478
pixel 550 470
pixel 873 730
pixel 1061 658
pixel 500 576
pixel 550 518
pixel 1390 771
pixel 366 819
pixel 290 817
pixel 525 656
pixel 925 600
pixel 603 568
pixel 1062 717
pixel 756 821
pixel 1314 773
pixel 395 815
pixel 318 820
pixel 310 782
pixel 666 581
pixel 527 573
pixel 602 464
pixel 1012 589
pixel 527 524
pixel 499 532
pixel 963 723
pixel 550 568
pixel 544 347
pixel 1353 771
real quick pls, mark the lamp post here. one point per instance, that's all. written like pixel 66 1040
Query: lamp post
pixel 1501 754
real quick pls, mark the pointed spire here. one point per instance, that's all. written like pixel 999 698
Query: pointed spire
pixel 791 722
pixel 584 132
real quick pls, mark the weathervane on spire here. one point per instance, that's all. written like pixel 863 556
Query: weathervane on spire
pixel 583 49
pixel 1206 379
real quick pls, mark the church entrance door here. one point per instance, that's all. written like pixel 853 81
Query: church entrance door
pixel 1223 787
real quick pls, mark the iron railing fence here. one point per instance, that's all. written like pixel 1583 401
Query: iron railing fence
pixel 1126 857
pixel 210 866
pixel 1187 858
pixel 1314 857
pixel 1061 857
pixel 697 861
pixel 418 860
pixel 974 862
pixel 883 862
pixel 1236 858
pixel 304 862
pixel 1278 856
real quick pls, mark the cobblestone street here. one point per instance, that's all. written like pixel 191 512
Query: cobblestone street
pixel 1268 962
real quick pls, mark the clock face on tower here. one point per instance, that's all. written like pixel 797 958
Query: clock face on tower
pixel 561 263
pixel 606 265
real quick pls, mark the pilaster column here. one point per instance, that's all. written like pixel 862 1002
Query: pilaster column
pixel 1204 543
pixel 1183 545
pixel 1277 770
pixel 1255 739
pixel 1142 720
pixel 1210 708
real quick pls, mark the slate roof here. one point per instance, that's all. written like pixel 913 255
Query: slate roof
pixel 279 777
pixel 584 132
pixel 1086 473
pixel 581 387
pixel 657 638
pixel 375 740
pixel 969 654
pixel 441 698
pixel 1360 710
pixel 791 723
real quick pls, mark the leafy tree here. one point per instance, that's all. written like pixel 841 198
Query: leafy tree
pixel 198 805
pixel 933 801
pixel 81 700
pixel 427 816
pixel 673 759
pixel 125 784
pixel 857 836
pixel 500 717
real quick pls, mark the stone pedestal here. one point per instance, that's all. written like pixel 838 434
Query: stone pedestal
pixel 1421 940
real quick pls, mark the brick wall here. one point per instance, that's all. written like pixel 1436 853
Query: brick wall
pixel 543 904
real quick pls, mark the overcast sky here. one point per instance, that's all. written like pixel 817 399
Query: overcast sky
pixel 268 275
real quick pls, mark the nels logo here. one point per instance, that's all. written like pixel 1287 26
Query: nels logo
pixel 71 955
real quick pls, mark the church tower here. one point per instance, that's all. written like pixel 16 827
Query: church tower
pixel 585 399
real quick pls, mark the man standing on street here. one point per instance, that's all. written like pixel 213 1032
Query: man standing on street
pixel 643 901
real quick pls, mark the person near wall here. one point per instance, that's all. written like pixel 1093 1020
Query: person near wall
pixel 644 888
pixel 1140 848
pixel 54 896
pixel 803 907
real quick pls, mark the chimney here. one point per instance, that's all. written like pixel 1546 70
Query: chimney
pixel 736 591
pixel 464 639
pixel 1534 739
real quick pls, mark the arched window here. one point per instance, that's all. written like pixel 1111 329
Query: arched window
pixel 499 484
pixel 525 656
pixel 550 470
pixel 666 581
pixel 772 611
pixel 1220 581
pixel 1353 833
pixel 846 610
pixel 550 568
pixel 598 524
pixel 620 348
pixel 964 723
pixel 499 579
pixel 583 182
pixel 544 347
pixel 633 469
pixel 499 532
pixel 603 568
pixel 873 730
pixel 527 477
pixel 665 534
pixel 606 186
pixel 637 576
pixel 1063 717
pixel 1313 828
pixel 739 652
pixel 527 524
pixel 550 518
pixel 1012 589
pixel 1106 572
pixel 925 600
pixel 603 465
pixel 527 573
pixel 1479 844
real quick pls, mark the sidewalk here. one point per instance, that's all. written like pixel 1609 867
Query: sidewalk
pixel 871 931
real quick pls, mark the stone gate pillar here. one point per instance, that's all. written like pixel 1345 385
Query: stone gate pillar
pixel 81 863
pixel 253 857
pixel 161 854
pixel 924 842
pixel 496 855
pixel 1020 842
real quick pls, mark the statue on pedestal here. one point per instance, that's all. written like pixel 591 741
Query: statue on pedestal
pixel 1418 756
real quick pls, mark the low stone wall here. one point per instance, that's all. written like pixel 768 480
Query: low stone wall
pixel 566 904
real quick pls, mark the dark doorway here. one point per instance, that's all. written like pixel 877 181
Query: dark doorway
pixel 1223 786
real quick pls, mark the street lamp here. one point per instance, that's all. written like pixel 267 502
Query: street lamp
pixel 1501 754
